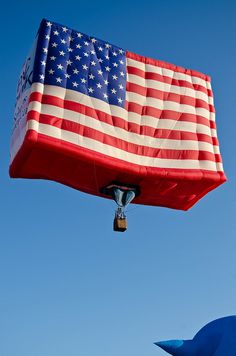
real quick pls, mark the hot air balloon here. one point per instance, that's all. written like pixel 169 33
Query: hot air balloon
pixel 215 339
pixel 115 124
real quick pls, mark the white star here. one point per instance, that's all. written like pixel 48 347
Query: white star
pixel 69 62
pixel 59 66
pixel 67 75
pixel 43 63
pixel 70 49
pixel 121 51
pixel 107 57
pixel 49 24
pixel 53 58
pixel 120 100
pixel 90 90
pixel 114 54
pixel 45 50
pixel 105 96
pixel 93 40
pixel 86 43
pixel 114 77
pixel 122 74
pixel 115 64
pixel 78 46
pixel 100 60
pixel 59 80
pixel 113 91
pixel 86 54
pixel 83 80
pixel 106 82
pixel 93 63
pixel 56 33
pixel 85 67
pixel 107 69
pixel 99 85
pixel 100 48
pixel 100 72
pixel 92 52
pixel 62 53
pixel 41 76
pixel 63 41
pixel 78 58
pixel 51 71
pixel 75 71
pixel 79 35
pixel 91 76
pixel 121 62
pixel 121 86
pixel 47 37
pixel 71 39
pixel 54 44
pixel 64 29
pixel 75 84
pixel 107 45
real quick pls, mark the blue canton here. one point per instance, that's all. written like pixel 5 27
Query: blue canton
pixel 73 60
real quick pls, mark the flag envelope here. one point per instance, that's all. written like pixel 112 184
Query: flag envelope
pixel 89 113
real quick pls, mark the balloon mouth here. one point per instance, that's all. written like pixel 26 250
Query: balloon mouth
pixel 109 189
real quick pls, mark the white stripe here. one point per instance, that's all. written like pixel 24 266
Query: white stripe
pixel 167 105
pixel 169 124
pixel 169 88
pixel 120 133
pixel 168 72
pixel 118 153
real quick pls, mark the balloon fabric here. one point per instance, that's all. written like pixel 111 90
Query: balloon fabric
pixel 218 338
pixel 89 113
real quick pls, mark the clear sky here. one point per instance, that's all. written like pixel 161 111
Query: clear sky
pixel 71 286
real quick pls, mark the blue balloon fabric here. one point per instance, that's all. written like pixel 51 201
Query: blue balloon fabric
pixel 218 338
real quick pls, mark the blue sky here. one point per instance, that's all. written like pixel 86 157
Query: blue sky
pixel 71 286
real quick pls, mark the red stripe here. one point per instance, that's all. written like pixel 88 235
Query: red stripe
pixel 168 114
pixel 122 144
pixel 167 96
pixel 162 64
pixel 168 80
pixel 121 123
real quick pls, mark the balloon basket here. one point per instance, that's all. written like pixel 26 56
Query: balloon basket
pixel 120 224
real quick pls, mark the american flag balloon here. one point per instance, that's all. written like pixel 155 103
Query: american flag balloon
pixel 89 113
